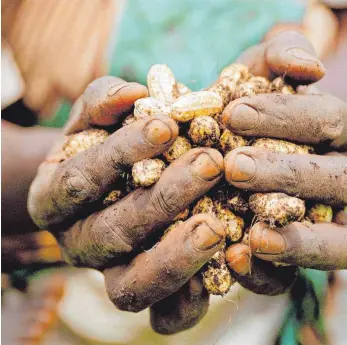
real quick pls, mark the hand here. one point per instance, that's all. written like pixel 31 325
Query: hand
pixel 65 194
pixel 307 117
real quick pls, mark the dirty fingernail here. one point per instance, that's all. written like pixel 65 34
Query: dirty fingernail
pixel 195 286
pixel 204 237
pixel 118 87
pixel 303 54
pixel 239 259
pixel 242 168
pixel 266 241
pixel 207 165
pixel 157 132
pixel 241 117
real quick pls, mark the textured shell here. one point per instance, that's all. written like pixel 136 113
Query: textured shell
pixel 229 141
pixel 282 146
pixel 279 85
pixel 261 83
pixel 204 205
pixel 247 89
pixel 82 141
pixel 320 213
pixel 223 91
pixel 234 225
pixel 162 84
pixel 149 106
pixel 179 147
pixel 216 275
pixel 147 172
pixel 217 281
pixel 277 208
pixel 234 200
pixel 112 197
pixel 204 131
pixel 237 203
pixel 229 84
pixel 235 72
pixel 196 104
pixel 183 89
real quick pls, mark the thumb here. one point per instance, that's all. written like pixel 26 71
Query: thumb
pixel 287 54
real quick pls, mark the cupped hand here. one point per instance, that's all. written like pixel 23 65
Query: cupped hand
pixel 308 117
pixel 65 198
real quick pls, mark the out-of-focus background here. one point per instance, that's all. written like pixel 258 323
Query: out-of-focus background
pixel 51 50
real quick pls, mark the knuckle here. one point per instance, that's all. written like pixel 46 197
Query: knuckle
pixel 78 187
pixel 166 202
pixel 116 154
pixel 332 125
pixel 93 242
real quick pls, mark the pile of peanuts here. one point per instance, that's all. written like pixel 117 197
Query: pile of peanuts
pixel 199 117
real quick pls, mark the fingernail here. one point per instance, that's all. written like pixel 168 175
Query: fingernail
pixel 241 264
pixel 241 117
pixel 195 286
pixel 303 54
pixel 116 88
pixel 239 259
pixel 243 168
pixel 266 241
pixel 157 132
pixel 206 167
pixel 204 237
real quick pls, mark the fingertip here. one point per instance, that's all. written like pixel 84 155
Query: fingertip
pixel 107 98
pixel 240 166
pixel 127 95
pixel 238 258
pixel 205 163
pixel 196 286
pixel 302 66
pixel 240 117
pixel 206 231
pixel 291 54
pixel 264 240
pixel 158 130
pixel 216 156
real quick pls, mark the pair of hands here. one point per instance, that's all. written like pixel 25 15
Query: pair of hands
pixel 65 194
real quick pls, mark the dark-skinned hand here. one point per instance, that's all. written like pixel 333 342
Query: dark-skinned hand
pixel 65 193
pixel 308 117
pixel 110 239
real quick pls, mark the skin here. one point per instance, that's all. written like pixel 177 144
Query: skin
pixel 22 150
pixel 318 118
pixel 65 194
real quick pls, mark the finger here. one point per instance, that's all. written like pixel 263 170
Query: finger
pixel 341 217
pixel 103 103
pixel 306 176
pixel 156 274
pixel 259 276
pixel 182 310
pixel 290 54
pixel 317 118
pixel 60 191
pixel 124 226
pixel 320 246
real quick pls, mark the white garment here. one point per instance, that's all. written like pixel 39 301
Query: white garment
pixel 241 317
pixel 12 84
